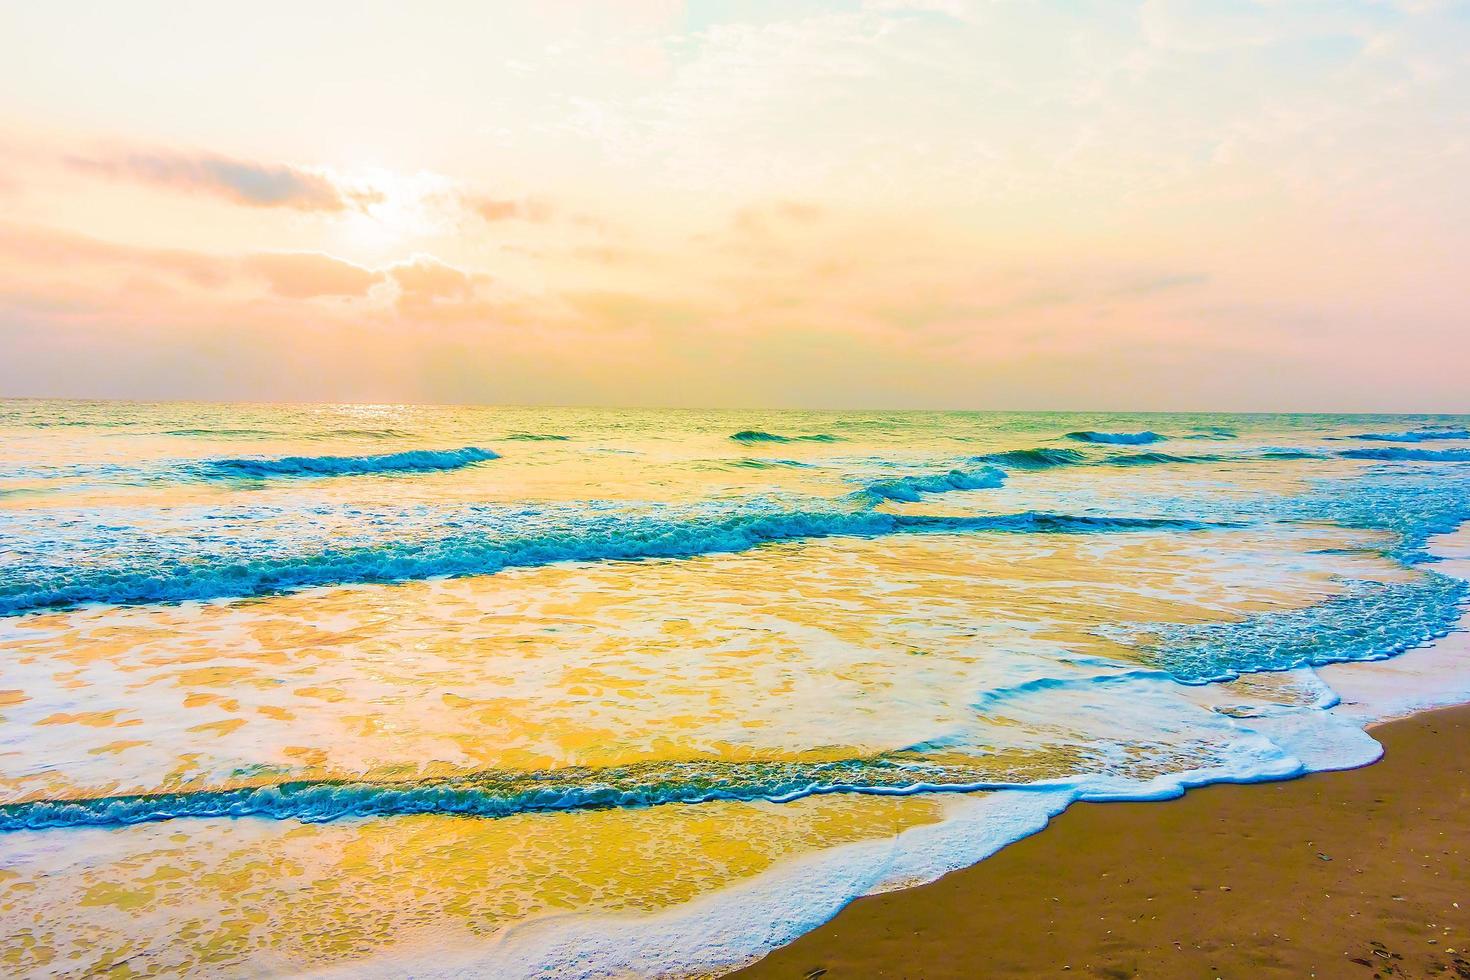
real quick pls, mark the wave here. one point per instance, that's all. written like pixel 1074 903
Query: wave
pixel 1154 457
pixel 503 793
pixel 223 433
pixel 536 437
pixel 33 423
pixel 1287 454
pixel 1420 455
pixel 1033 459
pixel 988 701
pixel 144 578
pixel 764 464
pixel 1413 435
pixel 756 435
pixel 1150 459
pixel 1373 621
pixel 1038 459
pixel 412 461
pixel 909 489
pixel 1116 438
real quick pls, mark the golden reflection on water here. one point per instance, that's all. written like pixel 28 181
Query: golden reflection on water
pixel 794 653
pixel 799 652
pixel 272 897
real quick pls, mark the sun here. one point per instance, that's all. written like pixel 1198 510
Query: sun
pixel 387 213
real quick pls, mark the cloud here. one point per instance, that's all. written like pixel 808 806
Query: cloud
pixel 424 281
pixel 420 203
pixel 262 185
pixel 44 262
pixel 23 246
pixel 492 209
pixel 304 275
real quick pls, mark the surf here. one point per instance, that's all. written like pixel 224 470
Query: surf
pixel 409 461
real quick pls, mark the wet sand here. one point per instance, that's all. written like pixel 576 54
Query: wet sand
pixel 1349 874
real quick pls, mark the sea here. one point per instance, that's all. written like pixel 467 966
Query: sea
pixel 441 691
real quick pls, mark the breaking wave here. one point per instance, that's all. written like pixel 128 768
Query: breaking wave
pixel 1418 455
pixel 756 435
pixel 1033 459
pixel 1150 459
pixel 1116 438
pixel 412 461
pixel 1040 459
pixel 909 489
pixel 1427 434
pixel 503 793
pixel 136 578
pixel 1372 621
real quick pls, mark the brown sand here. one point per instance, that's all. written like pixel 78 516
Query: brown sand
pixel 1347 874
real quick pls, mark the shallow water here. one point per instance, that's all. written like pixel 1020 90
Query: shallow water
pixel 293 688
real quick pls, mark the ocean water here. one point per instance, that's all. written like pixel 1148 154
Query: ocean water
pixel 441 690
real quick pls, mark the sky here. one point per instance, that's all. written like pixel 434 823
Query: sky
pixel 969 204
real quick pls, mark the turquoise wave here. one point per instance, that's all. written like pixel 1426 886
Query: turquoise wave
pixel 910 489
pixel 1372 621
pixel 764 464
pixel 1151 459
pixel 755 435
pixel 1042 459
pixel 1116 438
pixel 1426 434
pixel 140 578
pixel 504 793
pixel 1413 455
pixel 1033 459
pixel 411 461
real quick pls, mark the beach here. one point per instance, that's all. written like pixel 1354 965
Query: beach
pixel 672 490
pixel 1339 874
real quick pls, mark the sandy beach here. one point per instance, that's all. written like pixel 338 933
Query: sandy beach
pixel 1342 874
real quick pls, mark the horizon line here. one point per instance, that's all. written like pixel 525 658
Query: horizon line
pixel 281 403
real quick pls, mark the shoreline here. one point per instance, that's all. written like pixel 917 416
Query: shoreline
pixel 1345 873
pixel 1394 700
pixel 756 927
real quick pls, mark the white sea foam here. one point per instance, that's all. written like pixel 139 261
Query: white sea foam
pixel 1433 676
pixel 741 923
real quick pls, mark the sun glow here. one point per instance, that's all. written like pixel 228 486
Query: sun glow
pixel 390 214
